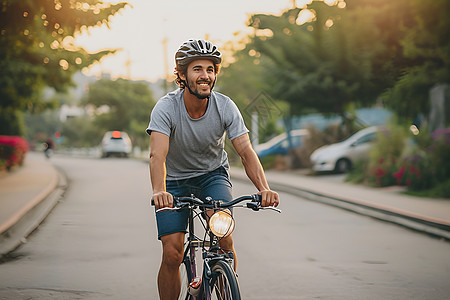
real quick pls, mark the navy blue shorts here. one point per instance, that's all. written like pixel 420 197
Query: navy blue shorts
pixel 215 184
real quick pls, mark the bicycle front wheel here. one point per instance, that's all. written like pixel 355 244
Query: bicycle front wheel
pixel 224 284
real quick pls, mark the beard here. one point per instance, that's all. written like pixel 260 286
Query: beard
pixel 194 90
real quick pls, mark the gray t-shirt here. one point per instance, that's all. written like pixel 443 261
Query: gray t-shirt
pixel 196 146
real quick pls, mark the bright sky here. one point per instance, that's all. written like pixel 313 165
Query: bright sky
pixel 140 30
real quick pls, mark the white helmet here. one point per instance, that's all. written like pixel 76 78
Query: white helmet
pixel 197 49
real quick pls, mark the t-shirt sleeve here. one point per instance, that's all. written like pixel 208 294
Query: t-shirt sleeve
pixel 160 120
pixel 234 123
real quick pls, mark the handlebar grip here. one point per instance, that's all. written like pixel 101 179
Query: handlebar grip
pixel 175 200
pixel 257 198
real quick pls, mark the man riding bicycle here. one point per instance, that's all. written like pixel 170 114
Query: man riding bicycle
pixel 187 136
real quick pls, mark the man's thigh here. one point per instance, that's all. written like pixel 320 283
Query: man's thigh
pixel 169 222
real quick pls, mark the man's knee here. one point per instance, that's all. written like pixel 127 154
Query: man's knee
pixel 173 249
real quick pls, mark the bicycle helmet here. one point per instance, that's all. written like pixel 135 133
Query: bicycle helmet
pixel 197 49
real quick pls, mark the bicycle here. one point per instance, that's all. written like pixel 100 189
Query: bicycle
pixel 218 279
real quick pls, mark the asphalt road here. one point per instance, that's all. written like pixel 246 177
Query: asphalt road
pixel 100 243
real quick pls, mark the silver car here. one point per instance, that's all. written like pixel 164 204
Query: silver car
pixel 116 143
pixel 341 156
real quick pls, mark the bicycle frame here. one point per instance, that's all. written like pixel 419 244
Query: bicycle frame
pixel 212 256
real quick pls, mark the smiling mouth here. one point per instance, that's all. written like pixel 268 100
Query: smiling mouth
pixel 203 84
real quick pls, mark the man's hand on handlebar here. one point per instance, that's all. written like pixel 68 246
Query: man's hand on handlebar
pixel 162 199
pixel 269 198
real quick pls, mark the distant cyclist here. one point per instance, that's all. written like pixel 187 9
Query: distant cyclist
pixel 187 135
pixel 48 147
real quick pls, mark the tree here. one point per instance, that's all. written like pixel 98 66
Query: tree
pixel 342 57
pixel 354 52
pixel 243 81
pixel 37 49
pixel 126 106
pixel 427 45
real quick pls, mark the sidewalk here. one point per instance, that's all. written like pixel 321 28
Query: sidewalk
pixel 427 215
pixel 29 193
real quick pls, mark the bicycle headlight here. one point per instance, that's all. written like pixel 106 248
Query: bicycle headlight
pixel 221 224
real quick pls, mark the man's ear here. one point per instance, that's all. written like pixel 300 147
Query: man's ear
pixel 182 76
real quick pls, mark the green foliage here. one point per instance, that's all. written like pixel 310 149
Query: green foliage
pixel 37 49
pixel 384 156
pixel 390 144
pixel 418 162
pixel 441 189
pixel 41 125
pixel 357 173
pixel 11 122
pixel 426 44
pixel 243 81
pixel 439 153
pixel 82 132
pixel 268 162
pixel 351 56
pixel 425 165
pixel 128 106
pixel 415 171
pixel 322 67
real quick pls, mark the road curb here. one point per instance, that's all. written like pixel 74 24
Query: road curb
pixel 14 232
pixel 428 225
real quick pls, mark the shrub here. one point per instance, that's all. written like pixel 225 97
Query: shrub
pixel 416 172
pixel 384 156
pixel 427 166
pixel 422 164
pixel 441 189
pixel 439 153
pixel 12 151
pixel 358 172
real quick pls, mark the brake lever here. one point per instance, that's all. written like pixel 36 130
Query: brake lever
pixel 271 208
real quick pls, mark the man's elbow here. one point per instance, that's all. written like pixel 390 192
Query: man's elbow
pixel 155 157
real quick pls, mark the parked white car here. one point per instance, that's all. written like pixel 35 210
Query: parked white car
pixel 116 143
pixel 341 156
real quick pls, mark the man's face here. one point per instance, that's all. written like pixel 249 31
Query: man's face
pixel 200 76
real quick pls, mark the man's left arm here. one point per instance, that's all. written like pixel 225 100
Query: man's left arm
pixel 254 170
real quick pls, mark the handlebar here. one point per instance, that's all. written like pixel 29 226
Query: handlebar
pixel 181 202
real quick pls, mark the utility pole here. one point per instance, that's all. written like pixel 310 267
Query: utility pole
pixel 128 66
pixel 166 65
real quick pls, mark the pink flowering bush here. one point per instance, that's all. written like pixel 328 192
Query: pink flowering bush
pixel 421 163
pixel 384 156
pixel 416 172
pixel 12 151
pixel 429 164
pixel 382 173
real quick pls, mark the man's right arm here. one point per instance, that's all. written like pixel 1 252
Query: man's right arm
pixel 159 147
